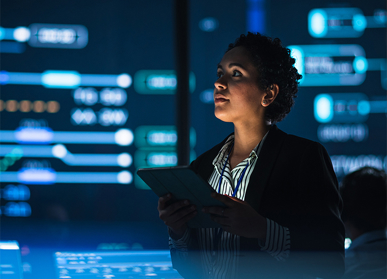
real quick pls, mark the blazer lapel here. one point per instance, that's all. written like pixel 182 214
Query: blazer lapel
pixel 266 161
pixel 203 165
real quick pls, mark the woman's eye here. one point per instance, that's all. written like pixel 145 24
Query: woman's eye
pixel 219 74
pixel 237 74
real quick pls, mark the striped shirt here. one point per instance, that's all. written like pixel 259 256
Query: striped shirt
pixel 223 262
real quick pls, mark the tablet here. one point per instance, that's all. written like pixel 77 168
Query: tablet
pixel 183 183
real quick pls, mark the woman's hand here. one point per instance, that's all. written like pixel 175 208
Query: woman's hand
pixel 238 218
pixel 176 215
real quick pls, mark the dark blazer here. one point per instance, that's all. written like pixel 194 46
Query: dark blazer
pixel 293 184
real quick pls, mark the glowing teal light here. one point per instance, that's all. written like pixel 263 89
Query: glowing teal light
pixel 159 82
pixel 49 176
pixel 359 22
pixel 1 33
pixel 208 24
pixel 323 108
pixel 298 54
pixel 162 159
pixel 347 243
pixel 364 107
pixel 317 23
pixel 162 82
pixel 160 137
pixel 360 64
pixel 61 79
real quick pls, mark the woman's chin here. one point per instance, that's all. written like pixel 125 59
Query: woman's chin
pixel 223 116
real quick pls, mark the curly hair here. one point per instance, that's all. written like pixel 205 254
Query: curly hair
pixel 275 66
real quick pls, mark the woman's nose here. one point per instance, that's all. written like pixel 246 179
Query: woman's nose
pixel 220 84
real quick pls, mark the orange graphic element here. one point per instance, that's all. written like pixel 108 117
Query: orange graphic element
pixel 39 106
pixel 53 106
pixel 11 105
pixel 26 106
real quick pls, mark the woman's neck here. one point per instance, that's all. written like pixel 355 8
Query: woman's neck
pixel 247 137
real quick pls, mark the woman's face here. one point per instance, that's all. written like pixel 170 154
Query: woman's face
pixel 237 96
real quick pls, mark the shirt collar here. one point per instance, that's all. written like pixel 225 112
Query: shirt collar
pixel 220 159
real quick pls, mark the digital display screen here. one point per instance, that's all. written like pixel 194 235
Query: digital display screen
pixel 11 265
pixel 119 264
pixel 340 51
pixel 79 91
pixel 88 95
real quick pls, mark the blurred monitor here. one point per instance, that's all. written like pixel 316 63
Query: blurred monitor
pixel 115 264
pixel 10 260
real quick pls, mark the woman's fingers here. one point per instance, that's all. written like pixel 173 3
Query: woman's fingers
pixel 185 219
pixel 216 210
pixel 227 200
pixel 176 206
pixel 171 217
pixel 168 209
pixel 175 215
pixel 163 200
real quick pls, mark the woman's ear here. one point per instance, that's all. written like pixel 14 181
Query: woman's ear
pixel 270 95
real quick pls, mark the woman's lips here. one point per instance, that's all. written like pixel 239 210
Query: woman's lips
pixel 220 100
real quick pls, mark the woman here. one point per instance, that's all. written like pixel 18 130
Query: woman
pixel 283 207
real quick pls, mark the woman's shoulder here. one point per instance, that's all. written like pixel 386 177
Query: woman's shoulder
pixel 289 145
pixel 280 137
pixel 276 139
pixel 290 139
pixel 305 144
pixel 297 140
pixel 303 149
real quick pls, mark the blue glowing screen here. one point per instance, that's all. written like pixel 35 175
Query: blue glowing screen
pixel 88 95
pixel 340 52
pixel 88 102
